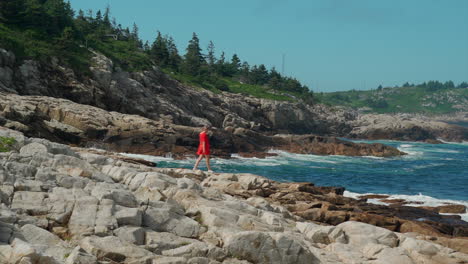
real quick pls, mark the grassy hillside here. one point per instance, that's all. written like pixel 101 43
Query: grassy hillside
pixel 409 99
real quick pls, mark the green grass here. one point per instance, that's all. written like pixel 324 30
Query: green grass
pixel 6 144
pixel 401 99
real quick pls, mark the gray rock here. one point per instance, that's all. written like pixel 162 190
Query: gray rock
pixel 260 247
pixel 33 149
pixel 131 234
pixel 79 256
pixel 165 220
pixel 83 218
pixel 158 242
pixel 113 248
pixel 30 202
pixel 128 216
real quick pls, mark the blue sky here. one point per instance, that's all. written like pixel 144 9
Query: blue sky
pixel 330 45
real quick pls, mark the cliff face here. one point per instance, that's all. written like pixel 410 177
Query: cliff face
pixel 155 95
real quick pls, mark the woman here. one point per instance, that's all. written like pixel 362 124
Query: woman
pixel 204 148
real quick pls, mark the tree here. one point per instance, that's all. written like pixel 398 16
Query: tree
pixel 98 16
pixel 210 57
pixel 235 64
pixel 135 32
pixel 159 50
pixel 463 85
pixel 106 18
pixel 174 57
pixel 193 58
pixel 12 11
pixel 379 88
pixel 449 85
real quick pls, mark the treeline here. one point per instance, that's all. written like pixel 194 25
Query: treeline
pixel 56 22
pixel 206 67
pixel 432 85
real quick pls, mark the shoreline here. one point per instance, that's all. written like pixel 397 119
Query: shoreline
pixel 67 204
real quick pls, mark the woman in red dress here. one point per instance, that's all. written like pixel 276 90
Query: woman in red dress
pixel 204 148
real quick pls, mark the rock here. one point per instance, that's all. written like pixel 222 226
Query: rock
pixel 112 248
pixel 79 256
pixel 33 149
pixel 128 216
pixel 451 209
pixel 258 247
pixel 166 220
pixel 134 235
pixel 158 242
pixel 360 234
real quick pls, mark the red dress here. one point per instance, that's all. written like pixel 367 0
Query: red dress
pixel 204 138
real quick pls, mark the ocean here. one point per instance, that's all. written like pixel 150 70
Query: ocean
pixel 430 175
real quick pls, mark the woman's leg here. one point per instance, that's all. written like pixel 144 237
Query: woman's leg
pixel 207 158
pixel 197 162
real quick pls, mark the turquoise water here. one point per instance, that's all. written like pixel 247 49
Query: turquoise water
pixel 432 173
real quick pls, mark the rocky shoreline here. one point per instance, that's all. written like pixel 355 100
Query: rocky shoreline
pixel 75 205
pixel 64 121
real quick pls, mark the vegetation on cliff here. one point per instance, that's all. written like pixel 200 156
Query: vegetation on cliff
pixel 42 29
pixel 6 144
pixel 431 97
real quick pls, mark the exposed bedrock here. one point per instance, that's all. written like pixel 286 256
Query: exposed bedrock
pixel 64 121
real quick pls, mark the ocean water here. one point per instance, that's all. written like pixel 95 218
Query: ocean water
pixel 434 174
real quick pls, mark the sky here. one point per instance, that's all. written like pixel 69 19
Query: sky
pixel 329 45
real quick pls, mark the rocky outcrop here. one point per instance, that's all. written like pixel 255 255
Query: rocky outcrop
pixel 63 206
pixel 405 127
pixel 64 121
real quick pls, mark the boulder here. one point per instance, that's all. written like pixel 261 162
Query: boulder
pixel 113 248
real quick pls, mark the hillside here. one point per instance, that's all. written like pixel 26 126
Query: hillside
pixel 427 98
pixel 51 30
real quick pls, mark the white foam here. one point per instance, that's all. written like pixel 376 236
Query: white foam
pixel 406 146
pixel 413 200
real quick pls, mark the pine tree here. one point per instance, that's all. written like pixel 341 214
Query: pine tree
pixel 106 18
pixel 193 58
pixel 211 59
pixel 98 16
pixel 135 32
pixel 159 51
pixel 235 64
pixel 11 11
pixel 174 57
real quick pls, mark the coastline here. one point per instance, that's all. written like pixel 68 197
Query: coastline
pixel 100 207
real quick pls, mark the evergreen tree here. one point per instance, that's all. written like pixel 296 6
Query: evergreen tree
pixel 211 59
pixel 135 32
pixel 449 85
pixel 106 18
pixel 174 57
pixel 98 16
pixel 12 11
pixel 235 64
pixel 34 16
pixel 193 58
pixel 159 50
pixel 463 85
